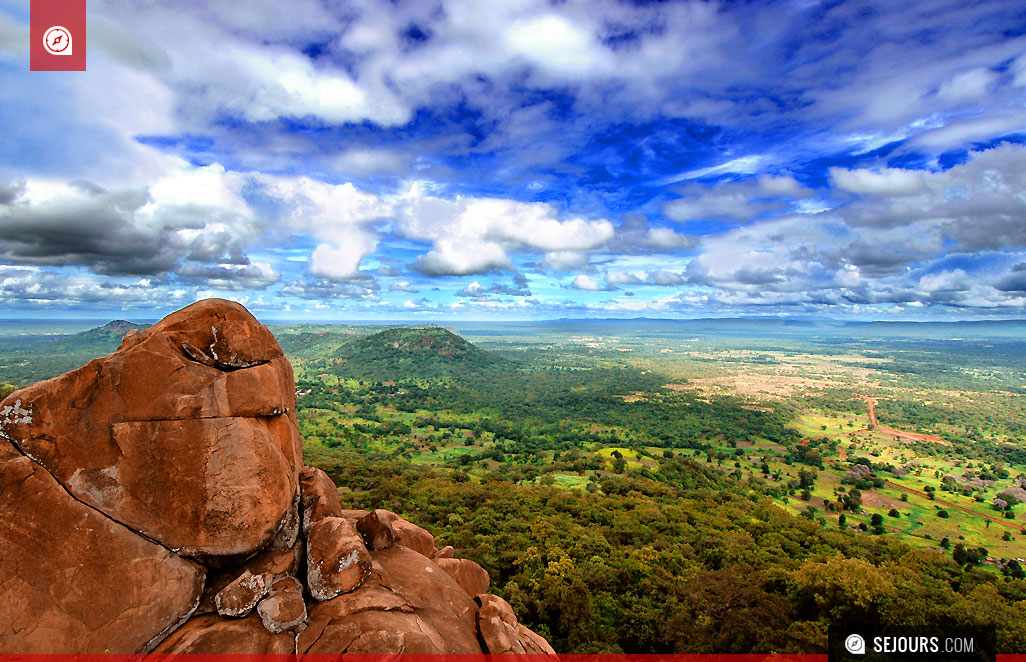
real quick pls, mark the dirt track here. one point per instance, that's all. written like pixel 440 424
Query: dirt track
pixel 914 436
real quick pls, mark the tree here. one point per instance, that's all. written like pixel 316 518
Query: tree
pixel 876 519
pixel 1014 569
pixel 894 513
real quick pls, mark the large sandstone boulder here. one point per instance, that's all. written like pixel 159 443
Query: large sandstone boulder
pixel 156 424
pixel 155 500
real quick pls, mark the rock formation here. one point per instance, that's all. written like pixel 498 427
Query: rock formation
pixel 155 500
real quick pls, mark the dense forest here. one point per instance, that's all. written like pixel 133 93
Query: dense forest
pixel 685 561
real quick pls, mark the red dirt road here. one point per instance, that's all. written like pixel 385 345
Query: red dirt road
pixel 914 436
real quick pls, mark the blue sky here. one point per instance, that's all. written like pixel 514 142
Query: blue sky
pixel 520 159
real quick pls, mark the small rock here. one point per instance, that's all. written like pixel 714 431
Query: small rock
pixel 239 597
pixel 337 561
pixel 446 552
pixel 412 536
pixel 376 529
pixel 284 608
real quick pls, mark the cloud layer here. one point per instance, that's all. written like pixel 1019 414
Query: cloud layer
pixel 522 158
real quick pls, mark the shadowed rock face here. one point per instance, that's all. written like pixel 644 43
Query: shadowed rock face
pixel 155 499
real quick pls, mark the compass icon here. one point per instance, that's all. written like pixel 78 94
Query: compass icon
pixel 57 40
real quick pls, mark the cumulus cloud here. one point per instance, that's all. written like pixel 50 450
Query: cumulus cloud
pixel 977 205
pixel 636 234
pixel 661 277
pixel 475 290
pixel 472 235
pixel 338 215
pixel 22 286
pixel 589 284
pixel 192 214
pixel 564 261
pixel 886 181
pixel 1014 281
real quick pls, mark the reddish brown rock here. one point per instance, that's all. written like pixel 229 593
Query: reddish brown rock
pixel 406 605
pixel 319 497
pixel 353 515
pixel 501 632
pixel 446 552
pixel 241 596
pixel 270 563
pixel 414 537
pixel 213 634
pixel 336 559
pixel 376 529
pixel 283 608
pixel 471 577
pixel 406 533
pixel 75 581
pixel 151 425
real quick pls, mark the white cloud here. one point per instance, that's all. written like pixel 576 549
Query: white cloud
pixel 460 258
pixel 341 261
pixel 585 282
pixel 555 44
pixel 885 181
pixel 472 235
pixel 564 260
pixel 335 214
pixel 955 280
pixel 736 201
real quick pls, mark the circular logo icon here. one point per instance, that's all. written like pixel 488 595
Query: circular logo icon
pixel 855 644
pixel 57 40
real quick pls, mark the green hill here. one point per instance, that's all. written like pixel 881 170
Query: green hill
pixel 412 352
pixel 111 332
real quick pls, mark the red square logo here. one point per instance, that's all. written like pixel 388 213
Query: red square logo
pixel 58 34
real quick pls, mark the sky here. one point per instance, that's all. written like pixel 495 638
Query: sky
pixel 520 159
